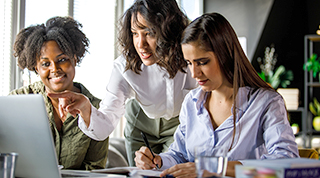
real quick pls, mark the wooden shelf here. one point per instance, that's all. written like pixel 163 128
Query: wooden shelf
pixel 315 38
pixel 313 84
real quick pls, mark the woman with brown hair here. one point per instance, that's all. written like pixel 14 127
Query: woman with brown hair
pixel 233 108
pixel 151 73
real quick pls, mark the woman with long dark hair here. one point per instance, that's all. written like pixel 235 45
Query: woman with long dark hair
pixel 233 108
pixel 151 72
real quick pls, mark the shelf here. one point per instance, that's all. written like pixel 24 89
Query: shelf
pixel 313 84
pixel 309 85
pixel 314 38
pixel 300 109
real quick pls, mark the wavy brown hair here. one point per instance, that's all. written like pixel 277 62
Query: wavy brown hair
pixel 167 22
pixel 64 30
pixel 212 32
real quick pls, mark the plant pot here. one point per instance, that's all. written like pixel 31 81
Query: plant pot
pixel 316 123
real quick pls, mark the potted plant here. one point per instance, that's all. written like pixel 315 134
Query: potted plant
pixel 314 108
pixel 313 65
pixel 280 76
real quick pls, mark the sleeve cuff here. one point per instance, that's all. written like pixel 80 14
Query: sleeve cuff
pixel 90 131
pixel 167 161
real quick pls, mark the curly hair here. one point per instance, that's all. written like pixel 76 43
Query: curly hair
pixel 64 30
pixel 167 21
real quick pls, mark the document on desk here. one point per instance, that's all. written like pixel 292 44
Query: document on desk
pixel 131 171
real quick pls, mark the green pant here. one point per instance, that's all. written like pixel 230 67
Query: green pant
pixel 159 131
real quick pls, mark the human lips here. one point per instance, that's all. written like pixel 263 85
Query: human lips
pixel 145 55
pixel 57 78
pixel 202 82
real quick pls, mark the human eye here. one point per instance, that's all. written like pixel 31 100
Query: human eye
pixel 150 33
pixel 62 60
pixel 45 64
pixel 188 62
pixel 202 63
pixel 133 33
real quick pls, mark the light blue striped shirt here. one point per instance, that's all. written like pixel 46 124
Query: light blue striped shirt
pixel 263 129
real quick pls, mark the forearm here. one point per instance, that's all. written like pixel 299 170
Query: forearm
pixel 101 125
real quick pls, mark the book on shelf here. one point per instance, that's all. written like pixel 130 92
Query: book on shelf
pixel 279 168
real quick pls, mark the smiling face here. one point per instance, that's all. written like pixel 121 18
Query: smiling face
pixel 55 68
pixel 144 40
pixel 204 67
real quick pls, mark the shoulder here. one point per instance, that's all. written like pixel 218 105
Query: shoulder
pixel 34 88
pixel 258 97
pixel 120 62
pixel 264 94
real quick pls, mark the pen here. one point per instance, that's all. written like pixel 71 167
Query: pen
pixel 147 144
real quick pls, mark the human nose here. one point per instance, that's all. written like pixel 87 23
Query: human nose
pixel 54 67
pixel 195 71
pixel 142 41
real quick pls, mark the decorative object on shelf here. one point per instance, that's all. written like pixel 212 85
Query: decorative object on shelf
pixel 314 108
pixel 313 64
pixel 318 31
pixel 290 96
pixel 295 128
pixel 280 76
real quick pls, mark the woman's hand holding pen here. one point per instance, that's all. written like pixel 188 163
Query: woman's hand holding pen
pixel 74 103
pixel 144 159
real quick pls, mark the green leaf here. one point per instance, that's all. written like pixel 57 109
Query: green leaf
pixel 312 109
pixel 317 105
pixel 262 76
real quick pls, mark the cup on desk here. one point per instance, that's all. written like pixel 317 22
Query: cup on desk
pixel 8 164
pixel 211 161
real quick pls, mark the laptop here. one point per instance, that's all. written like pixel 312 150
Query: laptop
pixel 24 129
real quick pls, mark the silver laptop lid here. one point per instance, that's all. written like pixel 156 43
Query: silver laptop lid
pixel 24 128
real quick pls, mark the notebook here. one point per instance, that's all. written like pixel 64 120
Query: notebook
pixel 24 129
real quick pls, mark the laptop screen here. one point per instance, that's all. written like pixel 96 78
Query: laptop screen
pixel 24 129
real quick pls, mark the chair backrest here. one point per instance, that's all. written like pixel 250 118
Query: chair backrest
pixel 308 153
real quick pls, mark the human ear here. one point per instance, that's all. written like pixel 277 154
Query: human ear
pixel 36 69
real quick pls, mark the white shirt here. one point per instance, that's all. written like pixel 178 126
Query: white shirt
pixel 158 96
pixel 263 129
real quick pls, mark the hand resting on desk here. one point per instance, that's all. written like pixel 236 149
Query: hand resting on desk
pixel 144 160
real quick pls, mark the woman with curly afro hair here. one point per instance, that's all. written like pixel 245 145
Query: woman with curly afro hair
pixel 52 50
pixel 151 72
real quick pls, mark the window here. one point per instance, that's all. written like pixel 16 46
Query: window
pixel 37 12
pixel 5 46
pixel 98 20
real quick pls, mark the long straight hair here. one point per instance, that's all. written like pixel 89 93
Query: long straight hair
pixel 212 32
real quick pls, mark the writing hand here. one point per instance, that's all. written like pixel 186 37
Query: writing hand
pixel 144 159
